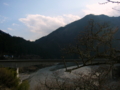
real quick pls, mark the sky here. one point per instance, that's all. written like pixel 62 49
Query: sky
pixel 33 19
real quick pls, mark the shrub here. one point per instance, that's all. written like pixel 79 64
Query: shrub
pixel 10 81
pixel 8 78
pixel 24 85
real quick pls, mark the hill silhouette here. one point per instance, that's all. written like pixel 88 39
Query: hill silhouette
pixel 50 46
pixel 64 36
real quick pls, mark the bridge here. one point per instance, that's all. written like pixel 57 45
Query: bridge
pixel 29 62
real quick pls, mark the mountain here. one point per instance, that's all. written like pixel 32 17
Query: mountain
pixel 51 45
pixel 19 47
pixel 63 36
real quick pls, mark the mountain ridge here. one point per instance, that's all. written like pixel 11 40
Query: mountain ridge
pixel 50 45
pixel 67 34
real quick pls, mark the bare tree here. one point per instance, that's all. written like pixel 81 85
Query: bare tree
pixel 111 1
pixel 55 83
pixel 96 42
pixel 95 80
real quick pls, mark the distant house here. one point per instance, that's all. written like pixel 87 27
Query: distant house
pixel 8 56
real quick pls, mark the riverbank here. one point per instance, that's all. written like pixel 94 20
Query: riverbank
pixel 40 76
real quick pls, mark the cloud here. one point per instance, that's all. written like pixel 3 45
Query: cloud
pixel 6 4
pixel 9 28
pixel 45 24
pixel 14 24
pixel 102 9
pixel 2 19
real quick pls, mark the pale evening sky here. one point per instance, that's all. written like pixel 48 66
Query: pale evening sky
pixel 32 19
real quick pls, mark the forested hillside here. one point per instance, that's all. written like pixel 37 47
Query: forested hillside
pixel 51 45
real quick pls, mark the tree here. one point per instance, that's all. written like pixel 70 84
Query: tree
pixel 111 1
pixel 96 42
pixel 95 80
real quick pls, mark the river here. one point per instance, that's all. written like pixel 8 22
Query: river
pixel 40 75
